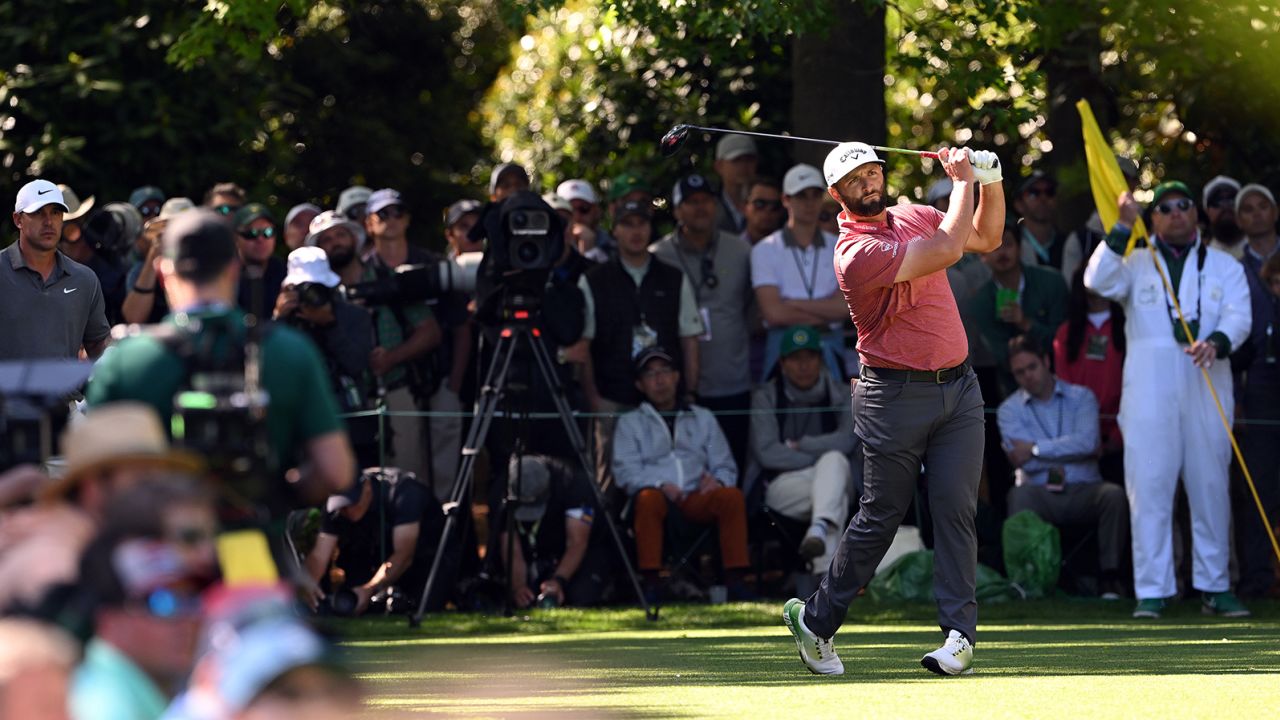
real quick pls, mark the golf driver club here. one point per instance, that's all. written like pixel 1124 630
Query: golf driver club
pixel 676 136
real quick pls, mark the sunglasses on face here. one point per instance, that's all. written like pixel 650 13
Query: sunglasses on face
pixel 225 209
pixel 1041 192
pixel 267 232
pixel 394 212
pixel 149 211
pixel 763 204
pixel 1168 206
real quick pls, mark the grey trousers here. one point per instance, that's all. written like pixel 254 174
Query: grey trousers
pixel 1099 503
pixel 904 425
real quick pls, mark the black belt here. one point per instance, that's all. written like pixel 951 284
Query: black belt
pixel 936 377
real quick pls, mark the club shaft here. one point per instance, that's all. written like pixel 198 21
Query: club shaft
pixel 882 148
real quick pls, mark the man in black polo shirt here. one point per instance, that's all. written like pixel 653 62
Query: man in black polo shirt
pixel 640 301
pixel 50 305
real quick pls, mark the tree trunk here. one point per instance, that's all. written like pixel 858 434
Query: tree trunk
pixel 1073 72
pixel 838 81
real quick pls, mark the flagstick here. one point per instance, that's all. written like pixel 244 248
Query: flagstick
pixel 1222 415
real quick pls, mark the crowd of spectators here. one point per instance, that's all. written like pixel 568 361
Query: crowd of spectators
pixel 707 360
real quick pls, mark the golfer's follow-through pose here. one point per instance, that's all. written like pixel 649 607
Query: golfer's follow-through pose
pixel 917 402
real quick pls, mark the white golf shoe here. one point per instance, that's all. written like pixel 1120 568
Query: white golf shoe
pixel 955 657
pixel 818 654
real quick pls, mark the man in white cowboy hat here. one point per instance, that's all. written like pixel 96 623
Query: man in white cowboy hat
pixel 50 305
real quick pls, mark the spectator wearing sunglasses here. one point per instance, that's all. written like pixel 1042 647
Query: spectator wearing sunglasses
pixel 1035 203
pixel 256 243
pixel 793 273
pixel 148 199
pixel 763 210
pixel 1167 413
pixel 718 266
pixel 142 578
pixel 585 230
pixel 1219 198
pixel 225 198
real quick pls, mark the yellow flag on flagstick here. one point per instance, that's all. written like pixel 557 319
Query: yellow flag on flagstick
pixel 1105 177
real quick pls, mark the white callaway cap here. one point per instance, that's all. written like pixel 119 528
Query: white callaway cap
pixel 36 194
pixel 846 158
pixel 801 178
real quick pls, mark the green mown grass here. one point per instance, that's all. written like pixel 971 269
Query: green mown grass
pixel 1058 658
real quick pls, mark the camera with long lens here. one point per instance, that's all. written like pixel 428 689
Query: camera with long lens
pixel 408 284
pixel 112 230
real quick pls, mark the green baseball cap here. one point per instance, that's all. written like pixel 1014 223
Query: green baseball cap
pixel 801 337
pixel 625 183
pixel 251 212
pixel 1165 188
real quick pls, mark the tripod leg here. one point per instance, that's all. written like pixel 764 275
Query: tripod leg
pixel 580 449
pixel 490 394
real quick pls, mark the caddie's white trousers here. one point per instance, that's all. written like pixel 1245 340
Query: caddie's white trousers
pixel 818 492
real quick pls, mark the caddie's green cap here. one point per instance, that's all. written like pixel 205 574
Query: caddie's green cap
pixel 801 337
pixel 251 212
pixel 1165 188
pixel 625 183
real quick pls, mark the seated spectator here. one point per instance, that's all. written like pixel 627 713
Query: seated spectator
pixel 642 301
pixel 559 558
pixel 1050 431
pixel 1088 350
pixel 383 509
pixel 342 332
pixel 142 577
pixel 793 272
pixel 667 453
pixel 803 446
pixel 296 223
pixel 1259 434
pixel 1020 299
pixel 256 242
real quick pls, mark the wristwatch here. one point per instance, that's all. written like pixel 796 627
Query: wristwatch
pixel 1035 450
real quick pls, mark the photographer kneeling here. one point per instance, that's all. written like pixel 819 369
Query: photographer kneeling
pixel 557 558
pixel 384 509
pixel 309 301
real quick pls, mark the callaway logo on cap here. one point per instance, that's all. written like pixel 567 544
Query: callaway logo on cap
pixel 846 158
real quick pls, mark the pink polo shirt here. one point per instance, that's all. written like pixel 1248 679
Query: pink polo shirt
pixel 911 325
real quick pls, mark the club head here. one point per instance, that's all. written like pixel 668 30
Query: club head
pixel 673 140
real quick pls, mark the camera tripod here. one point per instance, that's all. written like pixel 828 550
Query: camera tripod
pixel 493 390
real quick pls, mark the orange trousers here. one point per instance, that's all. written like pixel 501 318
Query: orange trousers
pixel 723 506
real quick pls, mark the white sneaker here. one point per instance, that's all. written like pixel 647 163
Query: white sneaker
pixel 955 657
pixel 818 655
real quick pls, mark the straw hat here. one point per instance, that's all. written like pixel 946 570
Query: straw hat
pixel 121 433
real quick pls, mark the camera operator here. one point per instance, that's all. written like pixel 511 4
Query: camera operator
pixel 558 558
pixel 201 275
pixel 384 509
pixel 142 302
pixel 406 333
pixel 343 332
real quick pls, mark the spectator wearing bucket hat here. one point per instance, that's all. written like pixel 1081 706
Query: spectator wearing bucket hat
pixel 793 272
pixel 87 246
pixel 50 305
pixel 717 265
pixel 310 301
pixel 256 235
pixel 343 243
pixel 145 300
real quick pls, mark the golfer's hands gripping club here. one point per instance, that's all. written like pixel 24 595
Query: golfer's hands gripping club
pixel 986 166
pixel 955 162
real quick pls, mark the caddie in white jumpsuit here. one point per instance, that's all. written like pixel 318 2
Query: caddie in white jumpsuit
pixel 1170 424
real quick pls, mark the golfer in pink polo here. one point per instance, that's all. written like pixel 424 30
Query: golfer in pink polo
pixel 917 402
